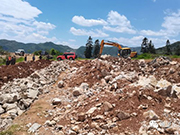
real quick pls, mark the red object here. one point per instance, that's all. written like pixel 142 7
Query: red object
pixel 9 58
pixel 67 55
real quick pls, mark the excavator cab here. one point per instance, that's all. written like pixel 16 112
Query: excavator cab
pixel 124 52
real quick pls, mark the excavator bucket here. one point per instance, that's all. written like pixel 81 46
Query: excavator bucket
pixel 133 54
pixel 125 52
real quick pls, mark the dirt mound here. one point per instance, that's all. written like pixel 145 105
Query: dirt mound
pixel 20 70
pixel 101 96
pixel 92 71
pixel 161 67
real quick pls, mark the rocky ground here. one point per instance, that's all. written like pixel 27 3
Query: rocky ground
pixel 89 97
pixel 20 70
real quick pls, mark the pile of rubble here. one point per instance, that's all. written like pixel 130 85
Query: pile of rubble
pixel 16 96
pixel 100 96
pixel 21 70
pixel 117 96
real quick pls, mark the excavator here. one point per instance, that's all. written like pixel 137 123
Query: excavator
pixel 123 52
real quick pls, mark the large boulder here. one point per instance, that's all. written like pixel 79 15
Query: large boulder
pixel 107 106
pixel 77 92
pixel 61 84
pixel 8 106
pixel 34 128
pixel 176 89
pixel 9 98
pixel 56 101
pixel 151 115
pixel 1 110
pixel 24 103
pixel 91 110
pixel 151 81
pixel 165 88
pixel 81 117
pixel 162 84
pixel 84 86
pixel 32 93
pixel 122 115
pixel 161 60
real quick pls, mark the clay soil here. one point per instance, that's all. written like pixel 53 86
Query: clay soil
pixel 20 70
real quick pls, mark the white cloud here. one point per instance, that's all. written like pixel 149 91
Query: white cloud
pixel 119 23
pixel 18 9
pixel 82 32
pixel 17 22
pixel 154 0
pixel 160 42
pixel 153 33
pixel 172 23
pixel 171 26
pixel 72 40
pixel 114 18
pixel 80 20
pixel 120 29
pixel 30 38
pixel 130 42
pixel 137 40
pixel 69 43
pixel 43 25
pixel 115 23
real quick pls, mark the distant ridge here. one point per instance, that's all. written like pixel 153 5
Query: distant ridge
pixel 173 48
pixel 11 46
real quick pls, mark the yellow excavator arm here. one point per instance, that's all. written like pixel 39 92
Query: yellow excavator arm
pixel 108 43
pixel 124 52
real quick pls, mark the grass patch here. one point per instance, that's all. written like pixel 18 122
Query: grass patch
pixel 21 59
pixel 2 61
pixel 175 56
pixel 153 56
pixel 144 56
pixel 11 130
pixel 84 58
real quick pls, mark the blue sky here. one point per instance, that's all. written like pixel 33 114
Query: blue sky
pixel 71 22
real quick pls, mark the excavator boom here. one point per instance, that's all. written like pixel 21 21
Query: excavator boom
pixel 124 52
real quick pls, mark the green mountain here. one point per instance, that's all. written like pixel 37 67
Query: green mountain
pixel 12 46
pixel 173 48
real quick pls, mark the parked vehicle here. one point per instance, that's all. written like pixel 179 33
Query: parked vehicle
pixel 20 52
pixel 67 55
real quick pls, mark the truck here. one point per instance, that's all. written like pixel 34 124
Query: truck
pixel 20 52
pixel 67 55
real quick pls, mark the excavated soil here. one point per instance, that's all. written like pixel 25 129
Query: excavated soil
pixel 20 70
pixel 92 72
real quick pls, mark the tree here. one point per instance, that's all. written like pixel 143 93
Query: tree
pixel 1 50
pixel 37 52
pixel 96 48
pixel 89 47
pixel 147 47
pixel 151 48
pixel 144 45
pixel 167 49
pixel 177 51
pixel 52 51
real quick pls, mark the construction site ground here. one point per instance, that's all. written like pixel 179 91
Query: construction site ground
pixel 125 101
